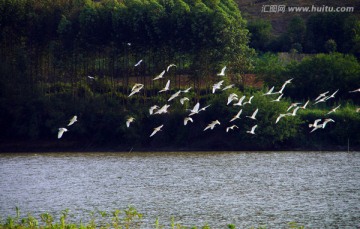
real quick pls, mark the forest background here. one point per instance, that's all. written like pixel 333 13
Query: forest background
pixel 49 48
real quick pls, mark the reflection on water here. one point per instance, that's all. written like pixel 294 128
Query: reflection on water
pixel 247 189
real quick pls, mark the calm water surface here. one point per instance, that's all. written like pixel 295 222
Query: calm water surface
pixel 315 189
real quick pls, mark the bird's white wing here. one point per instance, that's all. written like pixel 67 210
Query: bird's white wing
pixel 173 96
pixel 222 73
pixel 236 116
pixel 171 65
pixel 253 128
pixel 295 110
pixel 357 90
pixel 270 91
pixel 316 122
pixel 61 132
pixel 160 75
pixel 137 64
pixel 187 119
pixel 204 108
pixel 182 100
pixel 196 107
pixel 242 99
pixel 167 86
pixel 250 99
pixel 278 118
pixel 321 95
pixel 255 112
pixel 157 129
pixel 303 107
pixel 153 133
pixel 72 120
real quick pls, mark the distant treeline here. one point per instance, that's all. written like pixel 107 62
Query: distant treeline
pixel 319 33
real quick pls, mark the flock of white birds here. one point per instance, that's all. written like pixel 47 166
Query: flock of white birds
pixel 232 98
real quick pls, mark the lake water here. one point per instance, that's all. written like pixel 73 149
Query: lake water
pixel 314 189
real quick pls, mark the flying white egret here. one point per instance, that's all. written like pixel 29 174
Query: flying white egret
pixel 356 90
pixel 326 121
pixel 294 111
pixel 204 108
pixel 136 90
pixel 187 119
pixel 228 87
pixel 304 107
pixel 161 75
pixel 167 87
pixel 231 97
pixel 315 123
pixel 270 92
pixel 253 116
pixel 280 117
pixel 137 85
pixel 61 131
pixel 252 131
pixel 129 44
pixel 195 109
pixel 186 90
pixel 217 86
pixel 278 98
pixel 288 81
pixel 222 73
pixel 151 109
pixel 316 127
pixel 182 100
pixel 249 101
pixel 138 63
pixel 240 101
pixel 283 86
pixel 237 116
pixel 91 77
pixel 333 110
pixel 323 99
pixel 129 120
pixel 163 109
pixel 321 95
pixel 156 129
pixel 231 128
pixel 72 120
pixel 212 125
pixel 173 96
pixel 332 95
pixel 293 105
pixel 168 67
pixel 281 90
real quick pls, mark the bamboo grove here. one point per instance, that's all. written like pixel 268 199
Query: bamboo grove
pixel 63 41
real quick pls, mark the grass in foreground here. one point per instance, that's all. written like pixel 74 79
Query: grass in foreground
pixel 129 218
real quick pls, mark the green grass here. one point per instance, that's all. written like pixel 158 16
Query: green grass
pixel 128 218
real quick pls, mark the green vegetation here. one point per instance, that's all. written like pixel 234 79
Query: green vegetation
pixel 48 48
pixel 129 218
pixel 320 33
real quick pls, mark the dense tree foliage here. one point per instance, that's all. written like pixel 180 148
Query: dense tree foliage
pixel 48 48
pixel 314 74
pixel 260 31
pixel 323 32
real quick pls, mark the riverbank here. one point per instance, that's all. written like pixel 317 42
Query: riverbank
pixel 71 146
